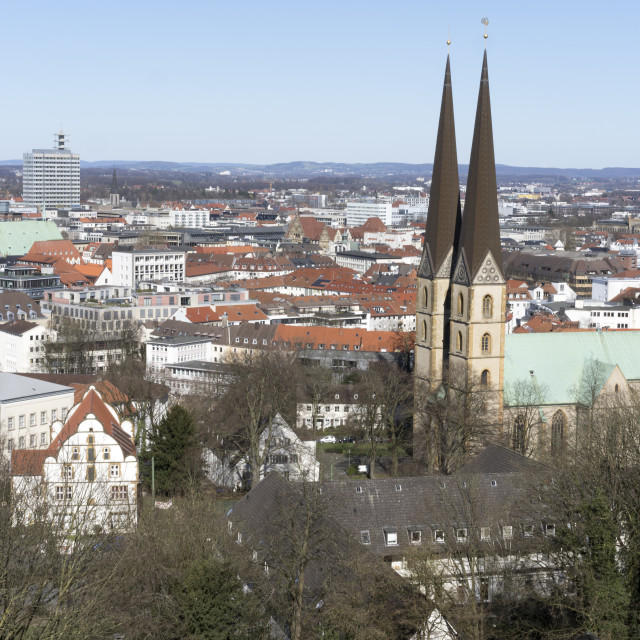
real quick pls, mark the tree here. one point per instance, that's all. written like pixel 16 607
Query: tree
pixel 176 452
pixel 523 399
pixel 452 422
pixel 261 386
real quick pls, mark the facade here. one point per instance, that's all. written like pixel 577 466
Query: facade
pixel 359 212
pixel 22 347
pixel 460 319
pixel 132 267
pixel 87 479
pixel 51 177
pixel 27 409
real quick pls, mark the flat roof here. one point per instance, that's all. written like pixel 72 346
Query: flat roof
pixel 14 387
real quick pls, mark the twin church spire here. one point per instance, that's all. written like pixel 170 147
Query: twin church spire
pixel 460 311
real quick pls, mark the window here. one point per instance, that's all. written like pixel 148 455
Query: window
pixel 91 473
pixel 459 341
pixel 91 450
pixel 64 492
pixel 106 453
pixel 43 438
pixel 43 417
pixel 54 414
pixel 32 419
pixel 438 536
pixel 21 442
pixel 67 471
pixel 460 304
pixel 487 306
pixel 365 538
pixel 114 471
pixel 415 536
pixel 398 487
pixel 507 532
pixel 10 444
pixel 425 298
pixel 33 441
pixel 485 533
pixel 486 343
pixel 484 378
pixel 10 424
pixel 424 329
pixel 461 535
pixel 528 530
pixel 21 422
pixel 391 538
pixel 549 529
pixel 484 589
pixel 64 414
pixel 358 489
pixel 558 423
pixel 75 453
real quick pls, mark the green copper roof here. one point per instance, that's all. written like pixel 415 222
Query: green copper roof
pixel 562 362
pixel 16 238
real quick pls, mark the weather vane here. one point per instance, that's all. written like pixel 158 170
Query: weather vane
pixel 485 22
pixel 448 38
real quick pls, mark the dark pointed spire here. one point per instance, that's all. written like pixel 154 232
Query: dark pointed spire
pixel 480 227
pixel 443 218
pixel 114 182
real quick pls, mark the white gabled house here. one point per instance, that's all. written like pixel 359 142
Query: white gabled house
pixel 86 481
pixel 287 455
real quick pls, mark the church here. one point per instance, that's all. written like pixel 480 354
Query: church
pixel 533 386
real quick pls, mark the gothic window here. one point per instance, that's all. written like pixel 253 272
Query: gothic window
pixel 459 341
pixel 558 423
pixel 425 298
pixel 460 304
pixel 486 343
pixel 487 306
pixel 518 434
pixel 484 378
pixel 424 329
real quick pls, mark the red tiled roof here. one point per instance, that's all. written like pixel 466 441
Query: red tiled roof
pixel 201 314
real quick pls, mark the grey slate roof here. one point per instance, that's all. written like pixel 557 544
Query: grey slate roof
pixel 14 387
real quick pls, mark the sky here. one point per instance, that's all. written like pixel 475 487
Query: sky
pixel 257 81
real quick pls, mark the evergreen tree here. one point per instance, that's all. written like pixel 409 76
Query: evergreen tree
pixel 176 453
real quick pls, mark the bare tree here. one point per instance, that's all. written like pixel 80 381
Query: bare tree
pixel 523 400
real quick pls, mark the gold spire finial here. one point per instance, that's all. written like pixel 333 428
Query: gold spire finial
pixel 485 22
pixel 448 38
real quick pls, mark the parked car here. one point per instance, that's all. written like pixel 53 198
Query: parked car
pixel 330 439
pixel 347 439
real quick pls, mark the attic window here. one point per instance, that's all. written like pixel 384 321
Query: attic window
pixel 358 489
pixel 527 531
pixel 355 396
pixel 415 535
pixel 494 483
pixel 485 533
pixel 391 537
pixel 337 396
pixel 438 536
pixel 550 529
pixel 461 535
pixel 507 532
pixel 365 538
pixel 398 487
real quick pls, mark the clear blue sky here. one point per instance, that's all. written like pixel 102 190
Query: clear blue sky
pixel 337 80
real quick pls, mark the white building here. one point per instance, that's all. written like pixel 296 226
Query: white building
pixel 359 212
pixel 51 177
pixel 192 218
pixel 286 454
pixel 605 288
pixel 27 409
pixel 22 346
pixel 131 267
pixel 87 479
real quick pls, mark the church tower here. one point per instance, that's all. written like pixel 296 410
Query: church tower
pixel 114 196
pixel 478 290
pixel 439 253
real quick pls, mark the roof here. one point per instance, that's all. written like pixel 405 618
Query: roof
pixel 14 298
pixel 496 459
pixel 15 387
pixel 201 314
pixel 480 230
pixel 559 360
pixel 17 327
pixel 444 215
pixel 16 238
pixel 241 313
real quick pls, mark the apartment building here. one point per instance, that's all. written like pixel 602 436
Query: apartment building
pixel 130 267
pixel 51 177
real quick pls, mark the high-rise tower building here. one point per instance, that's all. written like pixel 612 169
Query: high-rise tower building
pixel 460 324
pixel 51 177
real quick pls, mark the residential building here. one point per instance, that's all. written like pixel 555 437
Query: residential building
pixel 131 267
pixel 87 478
pixel 51 177
pixel 359 212
pixel 28 407
pixel 28 280
pixel 22 346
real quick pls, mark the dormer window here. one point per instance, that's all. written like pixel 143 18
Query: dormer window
pixel 485 533
pixel 358 489
pixel 415 535
pixel 550 529
pixel 507 532
pixel 398 487
pixel 461 535
pixel 391 537
pixel 365 538
pixel 438 536
pixel 528 530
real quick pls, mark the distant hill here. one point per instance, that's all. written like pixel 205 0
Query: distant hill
pixel 307 169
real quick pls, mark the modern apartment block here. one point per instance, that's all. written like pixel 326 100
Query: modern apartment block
pixel 51 177
pixel 134 266
pixel 359 212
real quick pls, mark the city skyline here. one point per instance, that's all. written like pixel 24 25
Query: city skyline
pixel 282 82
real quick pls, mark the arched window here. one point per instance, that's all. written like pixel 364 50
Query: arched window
pixel 460 304
pixel 459 341
pixel 558 423
pixel 424 329
pixel 484 378
pixel 425 298
pixel 487 306
pixel 519 434
pixel 486 343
